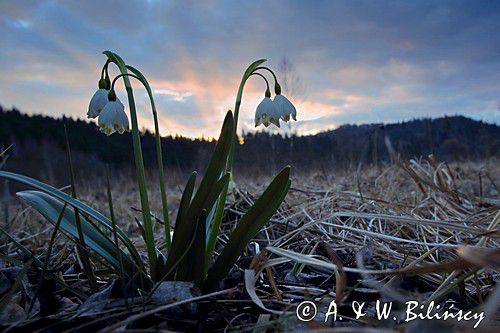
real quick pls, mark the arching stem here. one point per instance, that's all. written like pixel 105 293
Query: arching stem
pixel 212 239
pixel 277 87
pixel 122 75
pixel 159 158
pixel 105 75
pixel 267 83
pixel 138 75
pixel 139 163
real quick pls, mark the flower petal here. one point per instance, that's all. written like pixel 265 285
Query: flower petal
pixel 97 103
pixel 113 118
pixel 285 107
pixel 264 111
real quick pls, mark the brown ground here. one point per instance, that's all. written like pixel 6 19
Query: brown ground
pixel 414 214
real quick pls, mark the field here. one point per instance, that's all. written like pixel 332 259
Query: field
pixel 417 230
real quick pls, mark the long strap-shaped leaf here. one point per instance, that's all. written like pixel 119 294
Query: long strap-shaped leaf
pixel 219 212
pixel 186 198
pixel 195 259
pixel 51 209
pixel 248 227
pixel 185 226
pixel 103 220
pixel 185 270
pixel 187 194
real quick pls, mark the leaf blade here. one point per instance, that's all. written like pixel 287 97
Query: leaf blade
pixel 249 225
pixel 97 216
pixel 50 208
pixel 215 167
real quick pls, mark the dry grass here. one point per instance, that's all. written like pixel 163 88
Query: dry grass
pixel 413 214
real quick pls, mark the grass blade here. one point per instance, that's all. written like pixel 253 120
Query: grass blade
pixel 47 258
pixel 37 262
pixel 4 301
pixel 82 253
pixel 50 208
pixel 115 234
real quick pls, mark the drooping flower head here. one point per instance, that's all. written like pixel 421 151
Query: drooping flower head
pixel 113 117
pixel 283 105
pixel 98 101
pixel 285 108
pixel 266 112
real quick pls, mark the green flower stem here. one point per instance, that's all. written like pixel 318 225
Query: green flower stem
pixel 138 75
pixel 159 158
pixel 120 76
pixel 277 87
pixel 212 239
pixel 139 163
pixel 105 75
pixel 105 70
pixel 262 76
pixel 161 177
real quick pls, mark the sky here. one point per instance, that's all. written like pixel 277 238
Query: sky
pixel 348 61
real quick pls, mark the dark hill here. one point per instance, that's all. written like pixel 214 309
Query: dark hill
pixel 38 145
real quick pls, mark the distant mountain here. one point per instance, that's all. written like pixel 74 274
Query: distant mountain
pixel 448 138
pixel 38 146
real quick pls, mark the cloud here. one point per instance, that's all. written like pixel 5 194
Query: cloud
pixel 360 61
pixel 174 95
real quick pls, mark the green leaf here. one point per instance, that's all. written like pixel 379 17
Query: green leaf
pixel 185 266
pixel 116 59
pixel 181 228
pixel 249 226
pixel 197 257
pixel 302 258
pixel 83 208
pixel 186 198
pixel 162 268
pixel 219 211
pixel 252 67
pixel 193 264
pixel 51 209
pixel 215 168
pixel 185 228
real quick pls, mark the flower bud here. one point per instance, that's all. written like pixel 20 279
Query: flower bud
pixel 277 88
pixel 103 84
pixel 111 95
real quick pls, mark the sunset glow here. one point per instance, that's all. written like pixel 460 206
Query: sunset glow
pixel 350 64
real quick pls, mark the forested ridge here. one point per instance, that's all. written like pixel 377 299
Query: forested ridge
pixel 37 145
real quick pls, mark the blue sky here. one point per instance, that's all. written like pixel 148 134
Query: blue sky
pixel 352 61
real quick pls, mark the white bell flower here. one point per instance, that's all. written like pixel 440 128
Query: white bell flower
pixel 113 118
pixel 267 113
pixel 285 108
pixel 97 103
